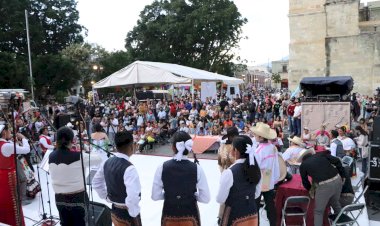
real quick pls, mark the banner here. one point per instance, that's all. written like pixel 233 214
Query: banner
pixel 208 89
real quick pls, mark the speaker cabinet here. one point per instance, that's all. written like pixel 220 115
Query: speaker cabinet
pixel 100 214
pixel 375 136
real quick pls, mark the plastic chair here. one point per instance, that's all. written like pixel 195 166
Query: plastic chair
pixel 347 161
pixel 343 219
pixel 294 207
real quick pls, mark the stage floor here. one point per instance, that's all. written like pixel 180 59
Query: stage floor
pixel 151 210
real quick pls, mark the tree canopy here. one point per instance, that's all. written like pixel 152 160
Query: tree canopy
pixel 196 33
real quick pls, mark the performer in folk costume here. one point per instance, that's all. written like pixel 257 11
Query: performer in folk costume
pixel 180 183
pixel 8 189
pixel 118 182
pixel 225 158
pixel 240 186
pixel 67 179
pixel 45 140
pixel 267 157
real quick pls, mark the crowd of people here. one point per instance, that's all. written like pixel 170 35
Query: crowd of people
pixel 252 127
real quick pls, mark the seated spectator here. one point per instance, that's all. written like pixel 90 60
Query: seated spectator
pixel 306 136
pixel 322 139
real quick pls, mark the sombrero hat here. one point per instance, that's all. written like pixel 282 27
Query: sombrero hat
pixel 263 130
pixel 297 140
pixel 304 152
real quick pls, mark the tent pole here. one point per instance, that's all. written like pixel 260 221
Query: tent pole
pixel 221 89
pixel 192 91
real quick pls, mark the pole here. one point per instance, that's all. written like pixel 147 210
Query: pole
pixel 29 55
pixel 192 90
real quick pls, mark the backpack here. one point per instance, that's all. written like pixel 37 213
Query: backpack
pixel 339 148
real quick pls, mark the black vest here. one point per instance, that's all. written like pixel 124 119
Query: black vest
pixel 241 190
pixel 114 169
pixel 180 180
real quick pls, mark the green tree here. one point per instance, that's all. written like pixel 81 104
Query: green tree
pixel 113 62
pixel 13 71
pixel 196 33
pixel 53 25
pixel 276 78
pixel 53 73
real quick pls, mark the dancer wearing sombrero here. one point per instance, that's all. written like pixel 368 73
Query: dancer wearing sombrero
pixel 267 157
pixel 181 184
pixel 240 186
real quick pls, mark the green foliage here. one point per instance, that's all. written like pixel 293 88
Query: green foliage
pixel 196 33
pixel 53 73
pixel 276 78
pixel 60 96
pixel 52 25
pixel 13 71
pixel 113 62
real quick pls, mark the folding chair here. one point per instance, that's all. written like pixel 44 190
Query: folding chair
pixel 295 207
pixel 358 185
pixel 361 194
pixel 343 219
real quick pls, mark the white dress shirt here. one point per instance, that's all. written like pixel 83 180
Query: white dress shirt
pixel 333 147
pixel 203 191
pixel 131 182
pixel 297 111
pixel 44 143
pixel 267 157
pixel 8 148
pixel 161 114
pixel 348 143
pixel 226 182
pixel 291 153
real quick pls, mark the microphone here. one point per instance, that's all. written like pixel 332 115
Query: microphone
pixel 74 99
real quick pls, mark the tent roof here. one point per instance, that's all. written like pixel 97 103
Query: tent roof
pixel 146 72
pixel 141 74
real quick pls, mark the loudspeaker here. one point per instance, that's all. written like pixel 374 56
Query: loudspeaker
pixel 374 163
pixel 100 214
pixel 375 136
pixel 61 120
pixel 232 90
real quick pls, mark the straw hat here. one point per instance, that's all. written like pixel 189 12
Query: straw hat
pixel 304 152
pixel 263 130
pixel 297 140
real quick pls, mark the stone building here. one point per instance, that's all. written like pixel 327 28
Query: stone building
pixel 281 67
pixel 335 37
pixel 257 77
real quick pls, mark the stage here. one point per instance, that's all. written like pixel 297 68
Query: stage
pixel 151 210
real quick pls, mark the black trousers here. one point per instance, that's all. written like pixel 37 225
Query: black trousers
pixel 269 206
pixel 71 208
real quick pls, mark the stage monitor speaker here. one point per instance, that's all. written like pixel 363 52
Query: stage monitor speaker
pixel 374 163
pixel 100 214
pixel 375 136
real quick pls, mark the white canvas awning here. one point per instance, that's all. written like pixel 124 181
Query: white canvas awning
pixel 140 74
pixel 145 72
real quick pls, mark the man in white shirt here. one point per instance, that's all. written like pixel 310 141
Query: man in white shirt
pixel 161 114
pixel 183 127
pixel 45 140
pixel 297 118
pixel 118 182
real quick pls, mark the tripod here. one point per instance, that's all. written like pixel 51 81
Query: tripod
pixel 45 220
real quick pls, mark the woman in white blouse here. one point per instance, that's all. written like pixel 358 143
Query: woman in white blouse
pixel 240 185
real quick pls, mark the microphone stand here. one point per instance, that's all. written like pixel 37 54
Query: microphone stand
pixel 86 201
pixel 45 220
pixel 18 199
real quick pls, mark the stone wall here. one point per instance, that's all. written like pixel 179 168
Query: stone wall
pixel 329 37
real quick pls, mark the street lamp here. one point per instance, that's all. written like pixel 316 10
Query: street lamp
pixel 92 82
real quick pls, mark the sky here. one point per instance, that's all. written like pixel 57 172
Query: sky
pixel 109 21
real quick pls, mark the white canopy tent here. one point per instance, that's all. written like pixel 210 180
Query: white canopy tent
pixel 146 72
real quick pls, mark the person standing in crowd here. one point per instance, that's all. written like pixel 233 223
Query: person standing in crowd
pixel 290 113
pixel 45 141
pixel 67 179
pixel 225 158
pixel 118 182
pixel 112 128
pixel 99 140
pixel 326 172
pixel 181 184
pixel 10 211
pixel 306 136
pixel 267 157
pixel 240 185
pixel 363 145
pixel 336 146
pixel 363 124
pixel 297 118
